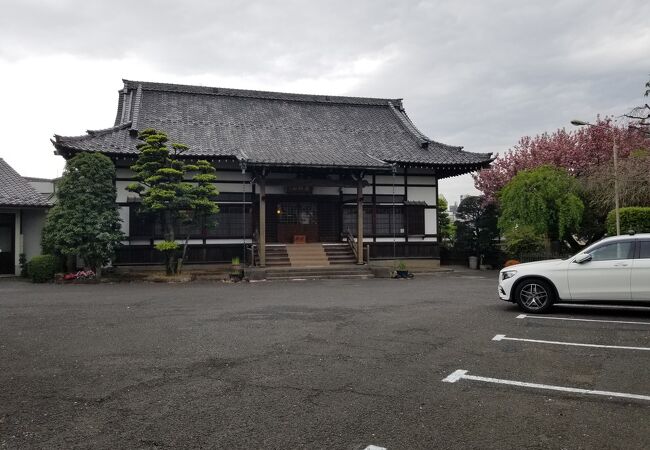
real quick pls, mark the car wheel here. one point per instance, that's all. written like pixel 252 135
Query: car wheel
pixel 534 296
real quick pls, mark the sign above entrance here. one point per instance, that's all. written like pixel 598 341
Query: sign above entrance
pixel 298 189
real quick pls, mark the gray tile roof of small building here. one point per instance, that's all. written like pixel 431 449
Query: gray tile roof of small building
pixel 271 128
pixel 15 191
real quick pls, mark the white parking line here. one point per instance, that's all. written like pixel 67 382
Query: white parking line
pixel 526 316
pixel 374 447
pixel 462 374
pixel 502 337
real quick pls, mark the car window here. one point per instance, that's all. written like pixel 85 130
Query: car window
pixel 612 251
pixel 644 250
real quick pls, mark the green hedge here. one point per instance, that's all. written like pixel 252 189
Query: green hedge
pixel 43 268
pixel 636 218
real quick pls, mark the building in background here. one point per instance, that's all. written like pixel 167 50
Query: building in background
pixel 23 206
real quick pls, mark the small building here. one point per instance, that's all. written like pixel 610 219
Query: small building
pixel 22 216
pixel 291 168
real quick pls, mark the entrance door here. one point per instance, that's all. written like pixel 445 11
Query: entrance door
pixel 297 219
pixel 7 247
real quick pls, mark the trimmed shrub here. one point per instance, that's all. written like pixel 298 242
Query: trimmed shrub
pixel 42 268
pixel 636 218
pixel 523 239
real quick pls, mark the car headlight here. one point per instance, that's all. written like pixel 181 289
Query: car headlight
pixel 508 274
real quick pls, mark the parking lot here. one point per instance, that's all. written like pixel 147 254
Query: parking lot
pixel 433 362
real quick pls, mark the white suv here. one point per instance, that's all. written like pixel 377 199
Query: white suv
pixel 613 270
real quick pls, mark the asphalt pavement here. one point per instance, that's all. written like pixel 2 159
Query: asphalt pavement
pixel 329 364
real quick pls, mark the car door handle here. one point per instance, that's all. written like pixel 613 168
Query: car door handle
pixel 620 265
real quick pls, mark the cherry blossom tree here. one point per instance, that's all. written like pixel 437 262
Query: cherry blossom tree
pixel 577 151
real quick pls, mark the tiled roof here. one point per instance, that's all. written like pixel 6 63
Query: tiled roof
pixel 16 191
pixel 270 128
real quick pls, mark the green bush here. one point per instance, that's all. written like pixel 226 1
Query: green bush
pixel 523 239
pixel 42 268
pixel 636 218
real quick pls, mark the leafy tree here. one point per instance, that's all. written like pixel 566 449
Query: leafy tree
pixel 85 221
pixel 640 116
pixel 446 229
pixel 633 176
pixel 545 199
pixel 476 228
pixel 160 175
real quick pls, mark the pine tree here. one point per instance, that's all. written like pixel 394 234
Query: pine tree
pixel 160 175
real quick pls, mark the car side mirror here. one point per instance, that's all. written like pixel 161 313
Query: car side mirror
pixel 582 258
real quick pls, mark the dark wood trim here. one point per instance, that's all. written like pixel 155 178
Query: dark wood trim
pixel 405 250
pixel 374 208
pixel 406 216
pixel 278 182
pixel 218 181
pixel 438 238
pixel 411 185
pixel 10 222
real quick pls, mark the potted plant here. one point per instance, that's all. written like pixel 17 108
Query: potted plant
pixel 236 273
pixel 402 271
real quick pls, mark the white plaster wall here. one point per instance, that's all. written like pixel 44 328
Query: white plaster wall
pixel 121 172
pixel 330 190
pixel 388 179
pixel 226 241
pixel 123 211
pixel 33 222
pixel 422 194
pixel 232 187
pixel 422 239
pixel 430 221
pixel 233 176
pixel 389 239
pixel 122 193
pixel 388 190
pixel 272 190
pixel 367 190
pixel 421 179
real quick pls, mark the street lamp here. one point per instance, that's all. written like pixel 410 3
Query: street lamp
pixel 581 123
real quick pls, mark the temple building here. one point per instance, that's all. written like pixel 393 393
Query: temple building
pixel 352 176
pixel 24 203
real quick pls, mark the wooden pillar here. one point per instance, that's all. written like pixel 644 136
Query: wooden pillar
pixel 360 220
pixel 262 236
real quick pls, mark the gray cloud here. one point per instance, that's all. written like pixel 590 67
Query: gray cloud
pixel 478 74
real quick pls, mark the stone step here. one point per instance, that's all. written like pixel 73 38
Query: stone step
pixel 307 273
pixel 320 277
pixel 328 270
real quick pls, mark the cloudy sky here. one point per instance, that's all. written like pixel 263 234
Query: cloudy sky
pixel 475 73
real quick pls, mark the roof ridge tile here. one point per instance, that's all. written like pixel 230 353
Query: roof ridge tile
pixel 250 93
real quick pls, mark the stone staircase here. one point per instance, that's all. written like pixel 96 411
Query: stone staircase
pixel 313 261
pixel 276 255
pixel 339 254
pixel 307 255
